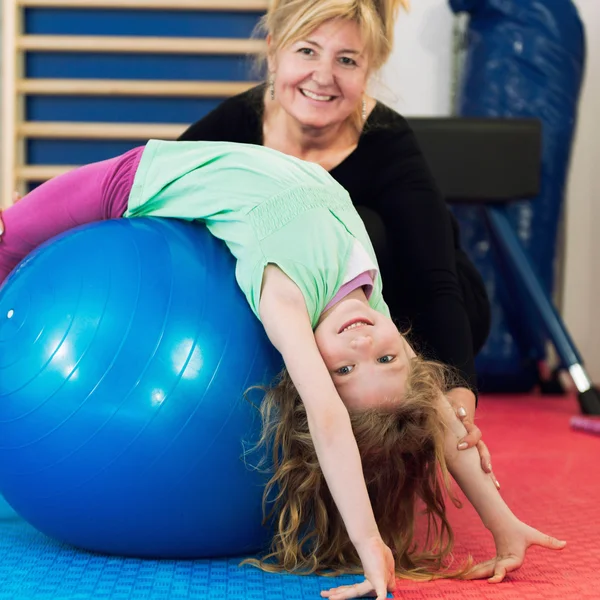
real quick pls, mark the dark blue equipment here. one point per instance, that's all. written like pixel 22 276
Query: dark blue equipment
pixel 523 59
pixel 499 161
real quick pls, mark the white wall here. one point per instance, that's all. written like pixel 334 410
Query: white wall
pixel 417 79
pixel 581 293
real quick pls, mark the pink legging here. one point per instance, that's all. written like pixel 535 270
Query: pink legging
pixel 91 193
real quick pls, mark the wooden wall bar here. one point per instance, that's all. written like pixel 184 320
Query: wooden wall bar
pixel 84 80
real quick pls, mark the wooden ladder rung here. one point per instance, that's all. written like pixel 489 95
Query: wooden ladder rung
pixel 195 5
pixel 98 131
pixel 124 87
pixel 139 44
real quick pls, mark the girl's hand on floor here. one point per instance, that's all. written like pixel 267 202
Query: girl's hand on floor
pixel 380 574
pixel 512 543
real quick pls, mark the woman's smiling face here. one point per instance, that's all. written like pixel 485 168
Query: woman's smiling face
pixel 320 81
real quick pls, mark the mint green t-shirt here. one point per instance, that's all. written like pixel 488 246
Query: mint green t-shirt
pixel 267 207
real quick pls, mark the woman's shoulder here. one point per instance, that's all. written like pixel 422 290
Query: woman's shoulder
pixel 387 134
pixel 236 119
pixel 384 119
pixel 391 153
pixel 249 101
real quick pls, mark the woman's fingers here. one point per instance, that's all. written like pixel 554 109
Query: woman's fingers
pixel 484 455
pixel 496 482
pixel 486 461
pixel 473 434
pixel 473 438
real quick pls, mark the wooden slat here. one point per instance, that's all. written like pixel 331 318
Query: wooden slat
pixel 139 44
pixel 42 172
pixel 121 87
pixel 99 131
pixel 16 172
pixel 221 5
pixel 10 105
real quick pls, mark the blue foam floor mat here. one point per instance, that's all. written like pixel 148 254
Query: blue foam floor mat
pixel 33 566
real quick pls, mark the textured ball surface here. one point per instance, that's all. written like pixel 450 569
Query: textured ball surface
pixel 125 350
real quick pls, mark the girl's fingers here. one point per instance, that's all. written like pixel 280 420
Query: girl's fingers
pixel 382 592
pixel 504 566
pixel 547 541
pixel 346 592
pixel 482 570
pixel 499 574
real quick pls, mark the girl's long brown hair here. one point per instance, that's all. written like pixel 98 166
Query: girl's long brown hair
pixel 404 467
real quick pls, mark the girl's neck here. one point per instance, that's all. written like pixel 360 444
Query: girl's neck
pixel 357 294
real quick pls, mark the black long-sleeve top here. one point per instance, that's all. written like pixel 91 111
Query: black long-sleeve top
pixel 418 248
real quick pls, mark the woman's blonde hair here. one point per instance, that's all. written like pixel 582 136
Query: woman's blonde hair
pixel 403 463
pixel 288 21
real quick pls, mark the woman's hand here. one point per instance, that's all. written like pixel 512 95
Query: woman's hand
pixel 463 403
pixel 512 542
pixel 380 574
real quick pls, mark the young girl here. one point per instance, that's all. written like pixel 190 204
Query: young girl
pixel 360 426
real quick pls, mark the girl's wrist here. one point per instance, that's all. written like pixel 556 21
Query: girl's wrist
pixel 366 539
pixel 500 521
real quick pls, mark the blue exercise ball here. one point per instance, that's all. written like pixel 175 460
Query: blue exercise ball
pixel 125 350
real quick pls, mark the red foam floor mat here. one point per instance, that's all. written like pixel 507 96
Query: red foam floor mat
pixel 550 477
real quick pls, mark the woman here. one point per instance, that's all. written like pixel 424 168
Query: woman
pixel 314 106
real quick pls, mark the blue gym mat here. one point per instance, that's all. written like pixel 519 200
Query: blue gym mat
pixel 33 566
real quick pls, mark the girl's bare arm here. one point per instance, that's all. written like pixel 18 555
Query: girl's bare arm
pixel 511 536
pixel 286 321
